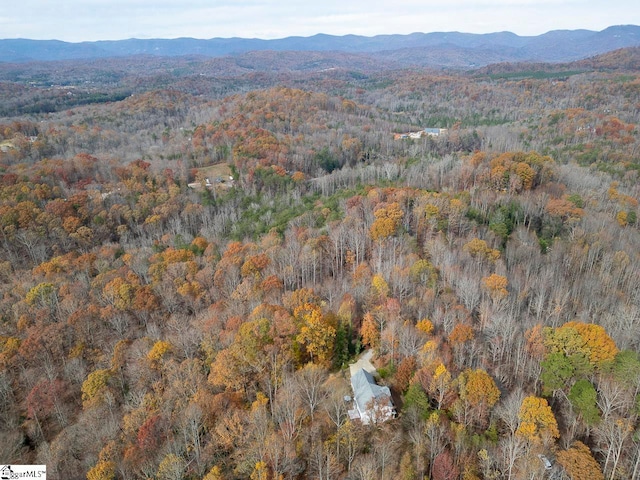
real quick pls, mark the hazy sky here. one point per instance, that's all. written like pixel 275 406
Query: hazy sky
pixel 78 20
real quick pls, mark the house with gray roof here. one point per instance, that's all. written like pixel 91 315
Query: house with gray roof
pixel 434 132
pixel 372 402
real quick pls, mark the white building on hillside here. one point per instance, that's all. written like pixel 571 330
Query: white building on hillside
pixel 372 403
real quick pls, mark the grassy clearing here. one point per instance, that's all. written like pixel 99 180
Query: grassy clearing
pixel 219 170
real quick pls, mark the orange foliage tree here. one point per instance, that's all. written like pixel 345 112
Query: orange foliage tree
pixel 369 331
pixel 564 208
pixel 388 219
pixel 496 285
pixel 460 334
pixel 579 463
pixel 600 346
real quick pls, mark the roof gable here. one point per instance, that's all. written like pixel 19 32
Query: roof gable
pixel 366 391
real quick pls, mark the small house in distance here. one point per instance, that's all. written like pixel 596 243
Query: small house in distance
pixel 435 132
pixel 372 403
pixel 430 132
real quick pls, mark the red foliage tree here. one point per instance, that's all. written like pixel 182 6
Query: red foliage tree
pixel 443 467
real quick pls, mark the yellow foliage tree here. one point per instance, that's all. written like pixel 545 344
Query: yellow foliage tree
pixel 588 340
pixel 429 352
pixel 119 293
pixel 431 211
pixel 103 470
pixel 299 298
pixel 565 340
pixel 425 325
pixel 379 287
pixel 537 421
pixel 424 272
pixel 214 474
pixel 260 472
pixel 158 351
pixel 8 348
pixel 440 384
pixel 190 289
pixel 478 388
pixel 479 248
pixel 316 333
pixel 477 393
pixel 93 388
pixel 41 294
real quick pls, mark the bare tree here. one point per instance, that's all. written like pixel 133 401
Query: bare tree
pixel 508 410
pixel 287 411
pixel 309 382
pixel 323 464
pixel 335 406
pixel 613 398
pixel 512 447
pixel 365 467
pixel 613 434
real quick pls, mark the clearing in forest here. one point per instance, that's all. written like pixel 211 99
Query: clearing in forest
pixel 213 176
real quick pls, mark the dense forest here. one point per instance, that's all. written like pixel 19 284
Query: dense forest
pixel 189 262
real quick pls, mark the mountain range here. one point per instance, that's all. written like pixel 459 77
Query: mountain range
pixel 438 49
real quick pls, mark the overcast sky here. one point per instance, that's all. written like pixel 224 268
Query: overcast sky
pixel 80 20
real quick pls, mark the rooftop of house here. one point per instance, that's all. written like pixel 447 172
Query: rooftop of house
pixel 365 389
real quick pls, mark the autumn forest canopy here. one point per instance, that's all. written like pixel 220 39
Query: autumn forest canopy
pixel 190 262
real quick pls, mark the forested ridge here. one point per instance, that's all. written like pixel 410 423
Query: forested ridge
pixel 188 264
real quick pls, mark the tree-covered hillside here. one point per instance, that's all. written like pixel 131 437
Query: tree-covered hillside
pixel 188 268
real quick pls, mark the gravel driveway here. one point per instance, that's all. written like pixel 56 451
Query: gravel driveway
pixel 363 362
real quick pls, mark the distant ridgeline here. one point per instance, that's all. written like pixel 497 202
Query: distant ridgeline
pixel 434 49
